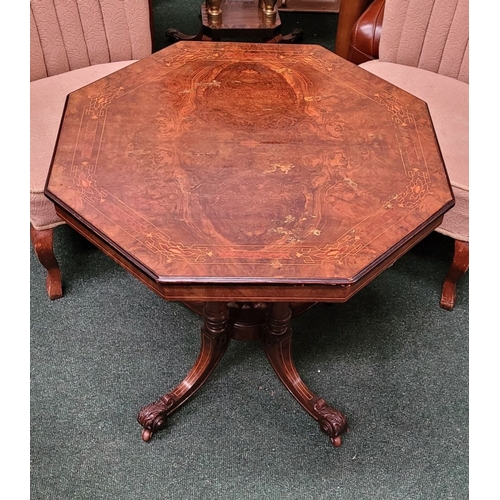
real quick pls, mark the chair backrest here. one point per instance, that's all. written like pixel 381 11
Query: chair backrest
pixel 428 34
pixel 72 34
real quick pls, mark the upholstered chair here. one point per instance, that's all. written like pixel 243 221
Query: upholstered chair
pixel 422 46
pixel 73 43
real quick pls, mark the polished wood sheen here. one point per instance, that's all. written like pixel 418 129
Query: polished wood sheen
pixel 248 181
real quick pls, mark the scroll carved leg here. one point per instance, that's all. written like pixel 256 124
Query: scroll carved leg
pixel 278 347
pixel 457 269
pixel 214 342
pixel 42 242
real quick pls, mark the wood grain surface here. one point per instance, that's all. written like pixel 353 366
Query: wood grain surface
pixel 227 165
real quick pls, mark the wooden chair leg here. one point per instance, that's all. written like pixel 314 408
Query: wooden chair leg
pixel 457 269
pixel 43 244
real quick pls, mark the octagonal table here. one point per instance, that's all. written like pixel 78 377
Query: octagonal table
pixel 249 181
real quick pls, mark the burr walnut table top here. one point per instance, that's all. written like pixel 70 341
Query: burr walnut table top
pixel 241 171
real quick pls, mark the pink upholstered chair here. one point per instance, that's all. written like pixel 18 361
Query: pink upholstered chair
pixel 73 43
pixel 422 46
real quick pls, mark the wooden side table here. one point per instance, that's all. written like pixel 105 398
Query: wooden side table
pixel 248 181
pixel 240 20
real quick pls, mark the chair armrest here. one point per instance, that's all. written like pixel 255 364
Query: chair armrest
pixel 365 34
pixel 349 12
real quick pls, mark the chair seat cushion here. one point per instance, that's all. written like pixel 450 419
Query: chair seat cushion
pixel 47 99
pixel 448 102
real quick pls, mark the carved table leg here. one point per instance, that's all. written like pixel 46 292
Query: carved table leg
pixel 214 342
pixel 278 347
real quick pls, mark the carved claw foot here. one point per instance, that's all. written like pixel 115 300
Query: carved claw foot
pixel 332 422
pixel 153 416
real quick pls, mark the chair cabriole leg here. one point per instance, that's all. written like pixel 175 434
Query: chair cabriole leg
pixel 43 243
pixel 458 267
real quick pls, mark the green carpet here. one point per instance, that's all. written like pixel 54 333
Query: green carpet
pixel 390 358
pixel 393 361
